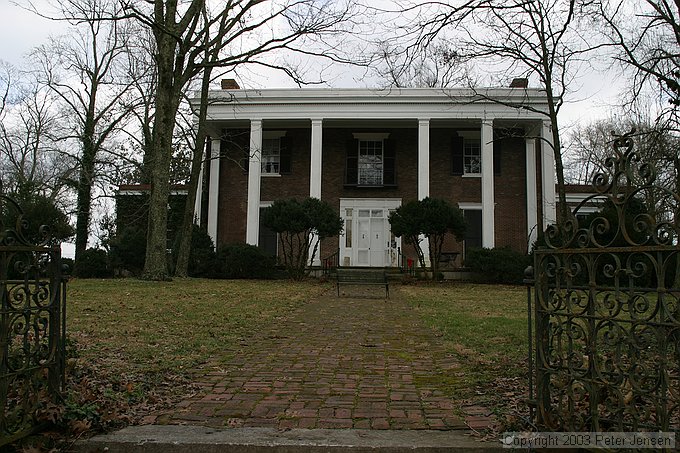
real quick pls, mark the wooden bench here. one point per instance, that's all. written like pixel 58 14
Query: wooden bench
pixel 362 277
pixel 448 258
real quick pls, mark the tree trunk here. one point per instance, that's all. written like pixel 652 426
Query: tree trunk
pixel 195 184
pixel 84 204
pixel 84 189
pixel 167 100
pixel 676 214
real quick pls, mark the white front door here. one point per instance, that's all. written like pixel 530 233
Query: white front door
pixel 367 240
pixel 378 245
pixel 371 239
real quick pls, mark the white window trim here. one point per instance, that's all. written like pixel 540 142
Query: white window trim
pixel 469 206
pixel 477 174
pixel 272 135
pixel 382 160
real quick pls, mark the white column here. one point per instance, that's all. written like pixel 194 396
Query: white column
pixel 548 175
pixel 532 198
pixel 315 174
pixel 315 161
pixel 213 191
pixel 254 173
pixel 423 158
pixel 424 173
pixel 199 194
pixel 488 203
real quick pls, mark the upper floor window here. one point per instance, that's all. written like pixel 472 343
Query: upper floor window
pixel 276 155
pixel 472 157
pixel 271 156
pixel 370 162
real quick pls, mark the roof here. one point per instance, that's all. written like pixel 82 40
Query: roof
pixel 366 103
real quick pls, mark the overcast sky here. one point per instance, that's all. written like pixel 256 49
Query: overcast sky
pixel 22 30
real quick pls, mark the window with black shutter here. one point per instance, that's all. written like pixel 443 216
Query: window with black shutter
pixel 371 161
pixel 270 157
pixel 466 156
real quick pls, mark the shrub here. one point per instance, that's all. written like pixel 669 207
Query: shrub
pixel 203 261
pixel 94 263
pixel 67 265
pixel 128 250
pixel 432 218
pixel 38 211
pixel 498 265
pixel 246 261
pixel 295 221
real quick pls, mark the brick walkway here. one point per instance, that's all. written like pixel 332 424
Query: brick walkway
pixel 348 362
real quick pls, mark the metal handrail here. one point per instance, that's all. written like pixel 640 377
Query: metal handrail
pixel 404 262
pixel 330 263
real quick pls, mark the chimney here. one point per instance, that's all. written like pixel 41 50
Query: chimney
pixel 230 84
pixel 516 83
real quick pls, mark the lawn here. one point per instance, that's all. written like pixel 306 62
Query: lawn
pixel 139 342
pixel 151 327
pixel 486 326
pixel 134 344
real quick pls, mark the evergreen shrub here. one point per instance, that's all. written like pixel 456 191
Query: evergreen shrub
pixel 498 265
pixel 246 261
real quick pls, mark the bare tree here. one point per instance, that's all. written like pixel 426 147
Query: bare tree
pixel 242 33
pixel 542 40
pixel 434 66
pixel 647 38
pixel 81 69
pixel 31 160
pixel 591 145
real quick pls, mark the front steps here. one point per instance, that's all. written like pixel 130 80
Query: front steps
pixel 200 439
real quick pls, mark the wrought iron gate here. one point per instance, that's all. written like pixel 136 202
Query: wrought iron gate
pixel 607 307
pixel 32 322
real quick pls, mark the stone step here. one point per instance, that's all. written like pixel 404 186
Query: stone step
pixel 198 439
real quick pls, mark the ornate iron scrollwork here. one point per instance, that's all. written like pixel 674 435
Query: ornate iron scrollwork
pixel 32 322
pixel 608 306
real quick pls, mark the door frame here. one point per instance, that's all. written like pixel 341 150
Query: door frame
pixel 348 255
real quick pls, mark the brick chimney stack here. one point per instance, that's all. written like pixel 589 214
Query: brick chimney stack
pixel 519 83
pixel 230 84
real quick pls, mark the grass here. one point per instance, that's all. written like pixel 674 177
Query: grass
pixel 153 327
pixel 140 342
pixel 485 325
pixel 133 346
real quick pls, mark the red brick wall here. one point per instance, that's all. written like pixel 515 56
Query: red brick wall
pixel 510 195
pixel 233 193
pixel 510 186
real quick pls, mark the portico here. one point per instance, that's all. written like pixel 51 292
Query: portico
pixel 369 151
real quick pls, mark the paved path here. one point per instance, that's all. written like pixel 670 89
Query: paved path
pixel 357 361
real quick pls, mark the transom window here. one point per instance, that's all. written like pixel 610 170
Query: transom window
pixel 271 156
pixel 472 156
pixel 370 164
